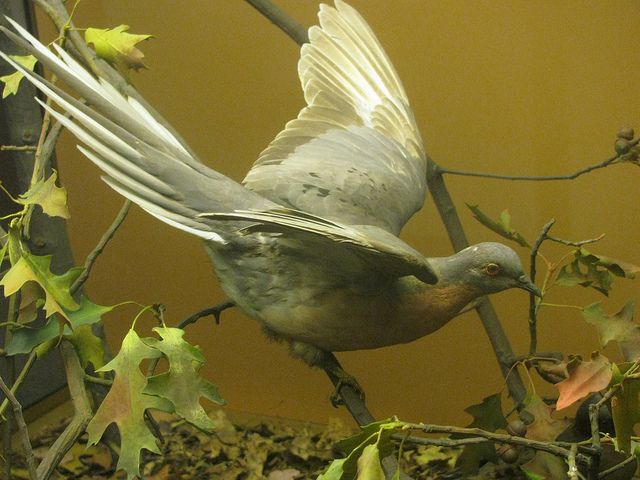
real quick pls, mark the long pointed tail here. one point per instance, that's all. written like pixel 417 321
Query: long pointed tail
pixel 141 159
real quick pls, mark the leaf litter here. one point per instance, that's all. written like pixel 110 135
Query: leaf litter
pixel 265 448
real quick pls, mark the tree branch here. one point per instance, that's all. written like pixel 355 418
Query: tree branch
pixel 82 412
pixel 21 376
pixel 281 19
pixel 22 429
pixel 488 316
pixel 537 178
pixel 533 334
pixel 99 248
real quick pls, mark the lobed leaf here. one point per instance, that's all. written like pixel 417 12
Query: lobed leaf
pixel 33 268
pixel 52 198
pixel 126 403
pixel 117 47
pixel 182 385
pixel 488 416
pixel 12 81
pixel 583 379
pixel 26 339
pixel 618 327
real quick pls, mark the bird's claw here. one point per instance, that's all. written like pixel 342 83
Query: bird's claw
pixel 345 380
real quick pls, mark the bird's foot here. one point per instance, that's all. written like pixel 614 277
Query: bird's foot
pixel 343 379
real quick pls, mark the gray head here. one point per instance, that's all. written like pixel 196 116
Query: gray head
pixel 491 267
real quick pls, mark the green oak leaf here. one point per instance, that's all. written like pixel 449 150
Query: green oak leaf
pixel 182 385
pixel 335 471
pixel 90 347
pixel 117 47
pixel 589 275
pixel 545 428
pixel 33 268
pixel 52 198
pixel 12 81
pixel 377 434
pixel 488 416
pixel 618 327
pixel 619 268
pixel 369 467
pixel 597 271
pixel 126 403
pixel 26 339
pixel 502 227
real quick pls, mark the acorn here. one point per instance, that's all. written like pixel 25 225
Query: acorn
pixel 508 453
pixel 626 132
pixel 622 146
pixel 517 428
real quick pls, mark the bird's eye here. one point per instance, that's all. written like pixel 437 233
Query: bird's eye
pixel 492 269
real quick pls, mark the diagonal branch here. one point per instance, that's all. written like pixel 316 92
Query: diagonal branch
pixel 281 19
pixel 22 429
pixel 98 249
pixel 82 412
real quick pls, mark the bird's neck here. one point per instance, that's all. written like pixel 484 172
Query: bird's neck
pixel 429 307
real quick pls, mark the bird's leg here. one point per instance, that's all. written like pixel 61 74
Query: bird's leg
pixel 340 379
pixel 316 357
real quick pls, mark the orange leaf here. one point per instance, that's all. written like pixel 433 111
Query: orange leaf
pixel 584 378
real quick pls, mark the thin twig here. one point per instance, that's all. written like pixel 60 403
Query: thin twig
pixel 618 466
pixel 216 311
pixel 81 416
pixel 572 470
pixel 538 178
pixel 22 429
pixel 17 148
pixel 579 243
pixel 21 376
pixel 95 253
pixel 550 447
pixel 97 380
pixel 533 335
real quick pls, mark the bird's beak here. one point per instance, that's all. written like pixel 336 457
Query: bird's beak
pixel 526 284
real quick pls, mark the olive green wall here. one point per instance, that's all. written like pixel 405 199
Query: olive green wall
pixel 515 87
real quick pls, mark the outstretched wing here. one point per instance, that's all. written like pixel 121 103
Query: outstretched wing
pixel 354 154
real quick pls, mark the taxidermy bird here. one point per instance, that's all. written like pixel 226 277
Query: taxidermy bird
pixel 308 243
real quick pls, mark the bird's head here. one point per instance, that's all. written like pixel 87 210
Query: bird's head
pixel 491 267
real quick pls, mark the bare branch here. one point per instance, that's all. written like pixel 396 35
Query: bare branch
pixel 535 178
pixel 82 412
pixel 22 429
pixel 21 376
pixel 17 148
pixel 533 335
pixel 579 243
pixel 95 253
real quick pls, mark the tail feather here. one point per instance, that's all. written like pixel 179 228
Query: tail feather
pixel 142 160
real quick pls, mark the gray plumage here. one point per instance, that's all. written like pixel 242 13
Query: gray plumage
pixel 308 245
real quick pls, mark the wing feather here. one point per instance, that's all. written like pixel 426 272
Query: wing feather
pixel 356 142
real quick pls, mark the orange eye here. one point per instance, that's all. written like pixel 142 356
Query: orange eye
pixel 492 269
